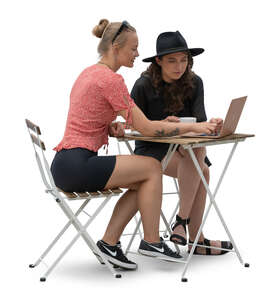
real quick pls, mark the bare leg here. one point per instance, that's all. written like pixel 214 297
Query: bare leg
pixel 123 212
pixel 144 176
pixel 181 167
pixel 192 194
pixel 197 214
pixel 198 207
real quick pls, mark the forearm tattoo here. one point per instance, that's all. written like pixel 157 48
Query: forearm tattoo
pixel 162 133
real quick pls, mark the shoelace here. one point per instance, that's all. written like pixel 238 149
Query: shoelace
pixel 120 252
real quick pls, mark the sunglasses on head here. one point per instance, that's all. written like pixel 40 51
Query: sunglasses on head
pixel 124 24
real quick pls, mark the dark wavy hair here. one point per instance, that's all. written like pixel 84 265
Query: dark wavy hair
pixel 177 92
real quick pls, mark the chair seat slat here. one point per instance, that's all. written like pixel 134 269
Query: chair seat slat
pixel 68 195
pixel 83 194
pixel 93 193
pixel 75 195
pixel 106 192
pixel 117 191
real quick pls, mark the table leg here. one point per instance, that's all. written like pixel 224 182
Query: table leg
pixel 212 202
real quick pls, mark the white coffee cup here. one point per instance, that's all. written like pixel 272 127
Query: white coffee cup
pixel 187 120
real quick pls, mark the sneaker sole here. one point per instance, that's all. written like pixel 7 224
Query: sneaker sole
pixel 157 254
pixel 115 262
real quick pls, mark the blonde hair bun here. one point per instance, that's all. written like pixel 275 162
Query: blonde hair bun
pixel 98 30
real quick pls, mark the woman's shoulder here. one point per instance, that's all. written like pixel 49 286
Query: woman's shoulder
pixel 197 80
pixel 103 76
pixel 144 81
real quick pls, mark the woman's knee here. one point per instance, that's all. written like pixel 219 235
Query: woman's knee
pixel 147 167
pixel 153 167
pixel 200 153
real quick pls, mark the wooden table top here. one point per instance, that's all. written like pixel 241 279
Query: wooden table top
pixel 187 140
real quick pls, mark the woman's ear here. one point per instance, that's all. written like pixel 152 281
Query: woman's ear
pixel 158 61
pixel 115 48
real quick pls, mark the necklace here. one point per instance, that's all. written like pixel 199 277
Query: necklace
pixel 102 63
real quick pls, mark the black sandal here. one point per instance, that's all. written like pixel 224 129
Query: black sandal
pixel 184 223
pixel 224 244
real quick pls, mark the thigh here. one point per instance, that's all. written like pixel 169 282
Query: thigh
pixel 182 157
pixel 199 152
pixel 133 169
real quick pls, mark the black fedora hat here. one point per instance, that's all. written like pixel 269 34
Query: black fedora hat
pixel 172 42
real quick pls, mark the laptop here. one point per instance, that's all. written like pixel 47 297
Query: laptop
pixel 230 123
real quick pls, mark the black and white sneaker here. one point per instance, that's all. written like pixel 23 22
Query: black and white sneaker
pixel 101 260
pixel 161 250
pixel 115 256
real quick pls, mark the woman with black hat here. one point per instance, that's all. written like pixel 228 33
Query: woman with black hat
pixel 167 90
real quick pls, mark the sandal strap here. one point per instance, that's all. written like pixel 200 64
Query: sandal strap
pixel 196 248
pixel 175 237
pixel 180 221
pixel 207 243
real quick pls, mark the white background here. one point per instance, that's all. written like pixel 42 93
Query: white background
pixel 44 47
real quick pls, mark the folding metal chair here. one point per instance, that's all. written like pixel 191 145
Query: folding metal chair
pixel 63 199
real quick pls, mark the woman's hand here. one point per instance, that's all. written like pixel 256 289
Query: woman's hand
pixel 116 129
pixel 204 127
pixel 171 119
pixel 219 123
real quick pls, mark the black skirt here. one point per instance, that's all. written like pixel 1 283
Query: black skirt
pixel 80 170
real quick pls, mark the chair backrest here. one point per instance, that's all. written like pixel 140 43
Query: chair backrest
pixel 39 148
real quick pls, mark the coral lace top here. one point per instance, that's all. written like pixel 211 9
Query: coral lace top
pixel 96 97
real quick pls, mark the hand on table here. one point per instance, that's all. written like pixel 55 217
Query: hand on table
pixel 204 127
pixel 218 122
pixel 116 129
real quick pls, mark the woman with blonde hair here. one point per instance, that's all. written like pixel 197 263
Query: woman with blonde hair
pixel 98 96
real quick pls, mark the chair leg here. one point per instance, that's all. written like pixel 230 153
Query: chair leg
pixel 44 254
pixel 140 233
pixel 81 229
pixel 167 158
pixel 133 235
pixel 169 230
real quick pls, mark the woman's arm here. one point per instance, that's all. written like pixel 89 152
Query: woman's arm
pixel 165 129
pixel 141 91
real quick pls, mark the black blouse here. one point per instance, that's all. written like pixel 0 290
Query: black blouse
pixel 153 105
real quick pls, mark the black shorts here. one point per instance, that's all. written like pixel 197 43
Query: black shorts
pixel 156 150
pixel 80 170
